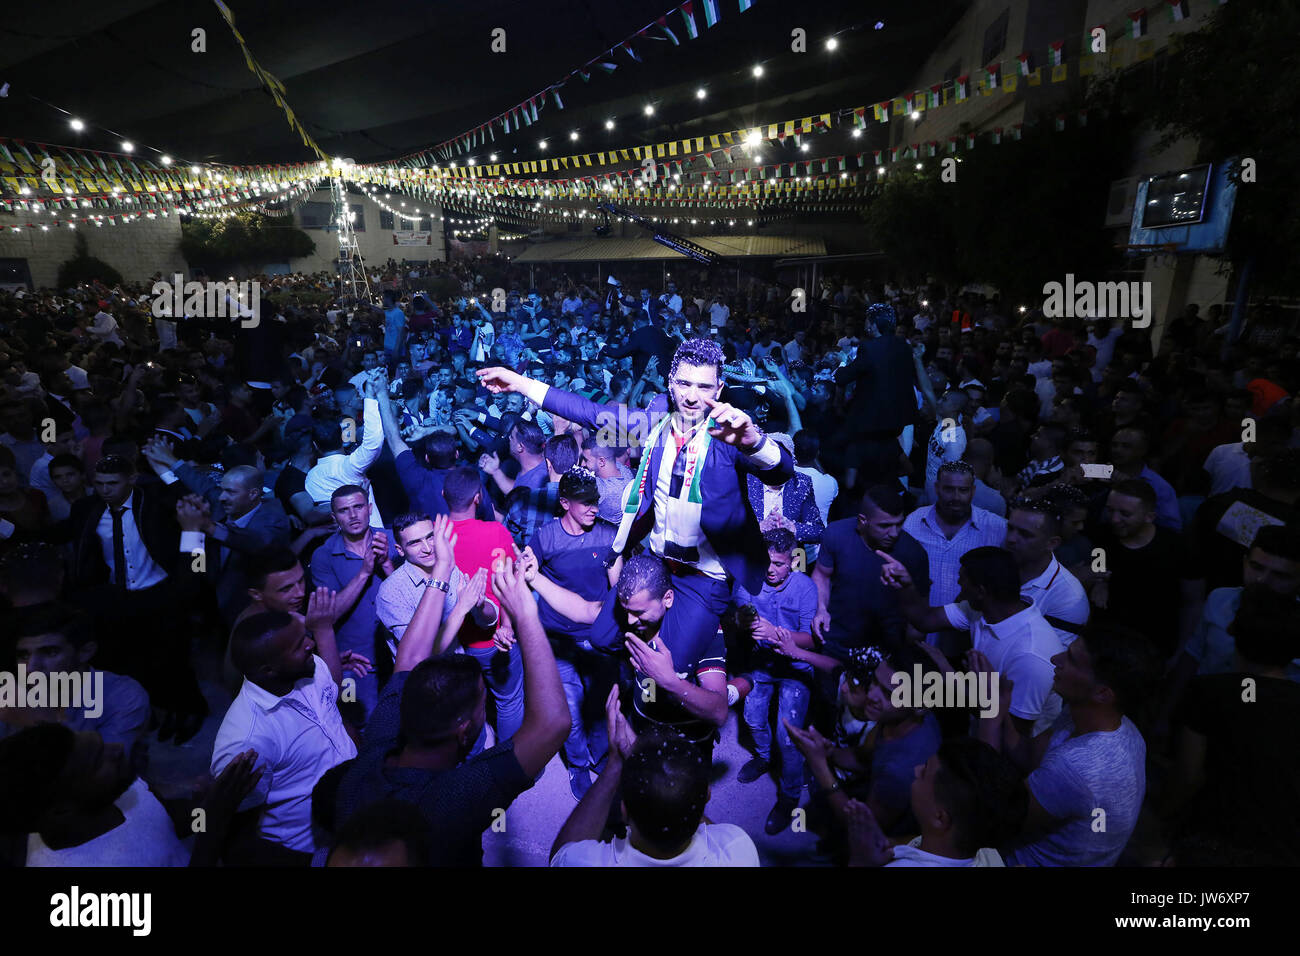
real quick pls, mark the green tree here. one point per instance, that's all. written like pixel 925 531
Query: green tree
pixel 1234 85
pixel 83 267
pixel 244 239
pixel 1017 214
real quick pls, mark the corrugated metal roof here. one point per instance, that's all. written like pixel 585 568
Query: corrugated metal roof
pixel 617 250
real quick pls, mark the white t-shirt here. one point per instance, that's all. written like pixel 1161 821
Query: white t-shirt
pixel 1057 593
pixel 1079 776
pixel 715 844
pixel 911 854
pixel 1228 467
pixel 1021 647
pixel 145 838
pixel 718 314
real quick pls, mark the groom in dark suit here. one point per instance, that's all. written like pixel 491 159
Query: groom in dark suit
pixel 688 503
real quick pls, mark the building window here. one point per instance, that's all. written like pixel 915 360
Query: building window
pixel 315 215
pixel 995 37
pixel 385 219
pixel 359 221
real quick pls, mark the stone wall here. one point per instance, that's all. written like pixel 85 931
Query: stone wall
pixel 136 249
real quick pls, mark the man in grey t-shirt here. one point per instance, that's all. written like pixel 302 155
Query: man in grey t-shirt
pixel 1087 773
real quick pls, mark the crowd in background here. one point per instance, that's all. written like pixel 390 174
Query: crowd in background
pixel 400 572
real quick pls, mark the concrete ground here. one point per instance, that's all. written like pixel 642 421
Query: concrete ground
pixel 534 819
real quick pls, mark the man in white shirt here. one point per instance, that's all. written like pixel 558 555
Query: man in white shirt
pixel 286 711
pixel 670 299
pixel 665 787
pixel 1008 630
pixel 80 802
pixel 371 361
pixel 334 468
pixel 103 328
pixel 806 448
pixel 65 443
pixel 1033 533
pixel 719 313
pixel 794 349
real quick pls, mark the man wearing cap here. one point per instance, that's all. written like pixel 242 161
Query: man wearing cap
pixel 570 552
pixel 686 504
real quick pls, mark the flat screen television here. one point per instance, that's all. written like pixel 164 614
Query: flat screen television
pixel 1177 198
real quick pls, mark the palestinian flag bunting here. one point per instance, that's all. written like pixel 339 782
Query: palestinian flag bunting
pixel 688 14
pixel 710 12
pixel 1138 23
pixel 1023 68
pixel 1178 10
pixel 961 87
pixel 1056 52
pixel 672 37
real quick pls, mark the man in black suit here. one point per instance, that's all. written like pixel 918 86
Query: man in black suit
pixel 134 565
pixel 238 522
pixel 645 341
pixel 883 402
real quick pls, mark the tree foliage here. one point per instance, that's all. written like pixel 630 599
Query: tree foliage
pixel 1234 85
pixel 1019 214
pixel 83 267
pixel 243 239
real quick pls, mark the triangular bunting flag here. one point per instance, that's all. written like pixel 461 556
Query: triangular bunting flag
pixel 688 14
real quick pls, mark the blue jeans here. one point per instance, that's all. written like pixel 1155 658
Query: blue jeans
pixel 586 676
pixel 366 689
pixel 792 704
pixel 504 675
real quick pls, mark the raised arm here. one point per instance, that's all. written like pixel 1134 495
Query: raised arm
pixel 563 601
pixel 915 610
pixel 418 638
pixel 388 419
pixel 546 713
pixel 372 438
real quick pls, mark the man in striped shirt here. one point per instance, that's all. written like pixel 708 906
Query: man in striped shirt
pixel 948 529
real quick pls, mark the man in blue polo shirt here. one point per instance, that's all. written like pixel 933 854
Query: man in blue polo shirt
pixel 353 562
pixel 570 551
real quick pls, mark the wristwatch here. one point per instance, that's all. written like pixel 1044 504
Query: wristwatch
pixel 442 586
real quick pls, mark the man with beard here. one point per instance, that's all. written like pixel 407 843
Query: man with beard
pixel 948 529
pixel 853 608
pixel 287 711
pixel 686 504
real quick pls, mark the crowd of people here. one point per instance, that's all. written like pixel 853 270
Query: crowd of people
pixel 434 543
